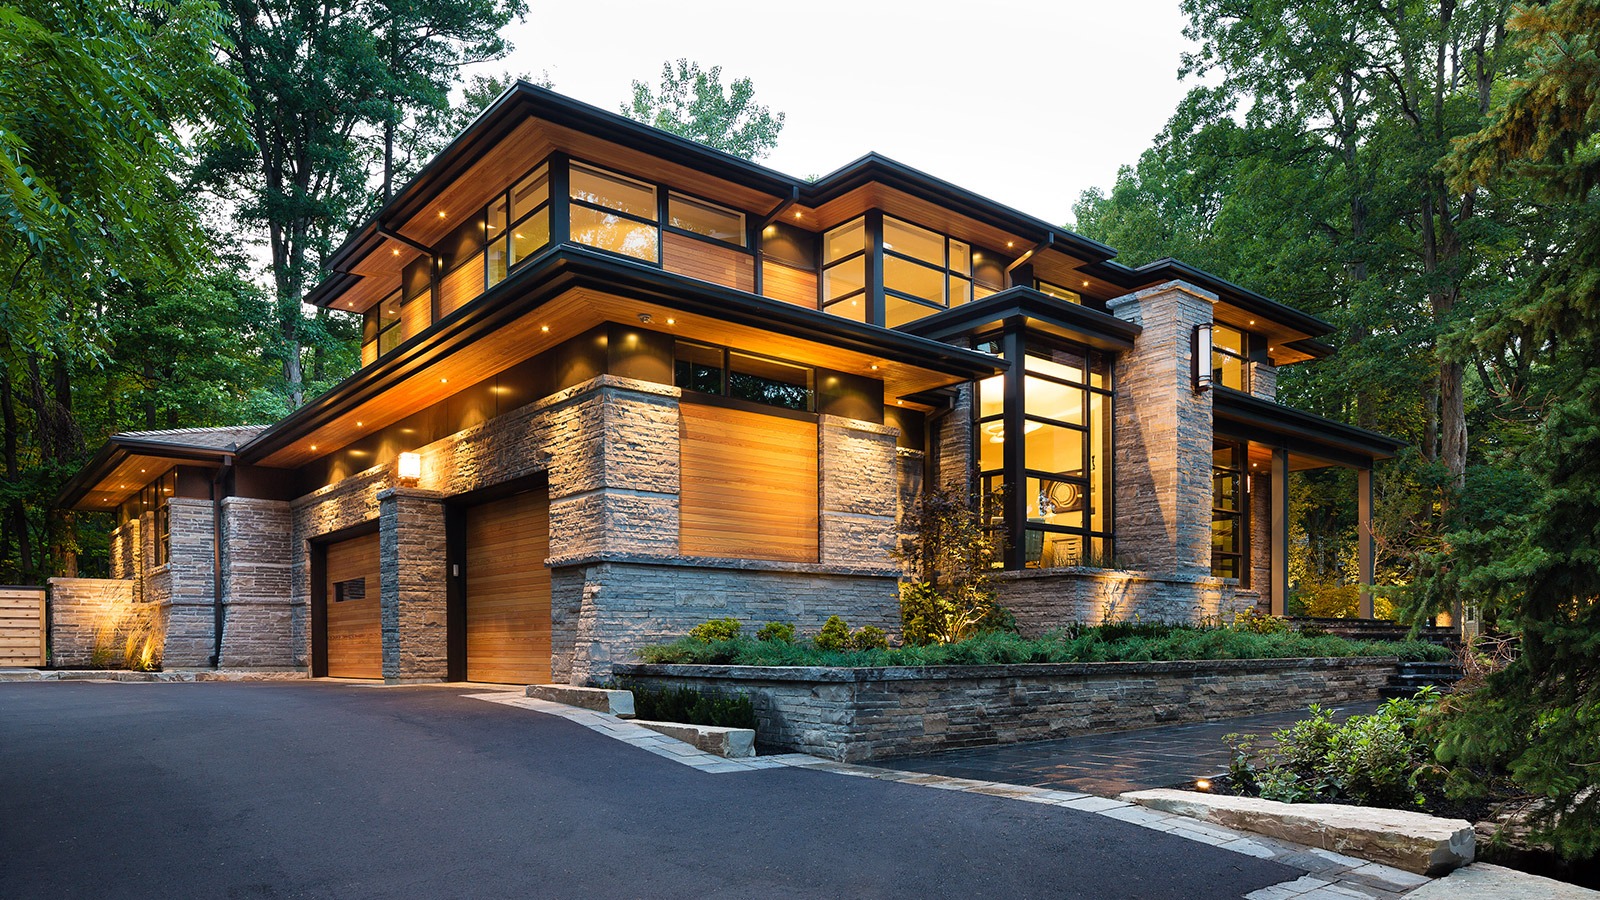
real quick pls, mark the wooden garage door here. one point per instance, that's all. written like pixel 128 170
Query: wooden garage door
pixel 508 590
pixel 355 641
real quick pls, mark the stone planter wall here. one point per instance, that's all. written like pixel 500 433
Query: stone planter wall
pixel 863 714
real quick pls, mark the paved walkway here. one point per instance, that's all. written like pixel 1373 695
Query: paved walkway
pixel 1110 764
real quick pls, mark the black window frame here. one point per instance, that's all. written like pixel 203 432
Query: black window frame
pixel 1239 515
pixel 1243 357
pixel 666 194
pixel 725 392
pixel 865 254
pixel 1010 481
pixel 659 190
pixel 945 270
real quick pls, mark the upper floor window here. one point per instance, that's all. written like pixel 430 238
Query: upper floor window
pixel 1227 357
pixel 616 213
pixel 844 270
pixel 1059 292
pixel 380 328
pixel 923 272
pixel 705 219
pixel 518 223
pixel 742 376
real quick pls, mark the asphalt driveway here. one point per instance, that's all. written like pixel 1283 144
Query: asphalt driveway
pixel 342 791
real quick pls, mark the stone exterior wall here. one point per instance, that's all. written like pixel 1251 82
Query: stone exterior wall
pixel 955 462
pixel 857 483
pixel 1260 561
pixel 1163 436
pixel 610 451
pixel 86 613
pixel 1051 598
pixel 604 612
pixel 864 714
pixel 185 588
pixel 256 594
pixel 1264 380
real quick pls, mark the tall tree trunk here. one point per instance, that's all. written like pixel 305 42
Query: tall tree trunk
pixel 16 515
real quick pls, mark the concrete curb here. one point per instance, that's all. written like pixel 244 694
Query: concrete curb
pixel 617 703
pixel 729 743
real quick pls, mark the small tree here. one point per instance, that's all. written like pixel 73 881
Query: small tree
pixel 949 554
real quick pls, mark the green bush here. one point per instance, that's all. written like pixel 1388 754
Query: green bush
pixel 1376 760
pixel 869 637
pixel 834 636
pixel 691 707
pixel 715 630
pixel 1117 642
pixel 781 632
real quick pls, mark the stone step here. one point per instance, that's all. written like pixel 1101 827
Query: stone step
pixel 617 703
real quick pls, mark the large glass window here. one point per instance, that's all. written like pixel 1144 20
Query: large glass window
pixel 923 272
pixel 1227 357
pixel 380 329
pixel 705 219
pixel 844 270
pixel 1228 510
pixel 742 376
pixel 613 212
pixel 1062 398
pixel 1059 292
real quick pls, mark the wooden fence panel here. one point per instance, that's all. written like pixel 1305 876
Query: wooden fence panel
pixel 21 626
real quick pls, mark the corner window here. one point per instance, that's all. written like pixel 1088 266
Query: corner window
pixel 1227 357
pixel 518 224
pixel 1228 510
pixel 923 272
pixel 844 270
pixel 614 213
pixel 743 376
pixel 1057 500
pixel 705 219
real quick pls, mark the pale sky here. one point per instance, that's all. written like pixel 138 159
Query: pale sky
pixel 1027 103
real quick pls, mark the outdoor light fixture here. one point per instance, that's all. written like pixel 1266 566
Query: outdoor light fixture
pixel 1202 784
pixel 410 467
pixel 1202 358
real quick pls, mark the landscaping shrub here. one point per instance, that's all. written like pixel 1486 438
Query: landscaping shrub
pixel 1117 642
pixel 834 636
pixel 715 630
pixel 1376 760
pixel 781 632
pixel 691 707
pixel 869 637
pixel 949 553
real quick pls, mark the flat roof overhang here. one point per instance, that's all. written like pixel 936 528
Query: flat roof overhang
pixel 123 465
pixel 1241 416
pixel 569 289
pixel 1039 311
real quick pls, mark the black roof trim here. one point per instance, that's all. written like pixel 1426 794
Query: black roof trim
pixel 1310 430
pixel 1168 269
pixel 1100 330
pixel 875 168
pixel 119 447
pixel 564 266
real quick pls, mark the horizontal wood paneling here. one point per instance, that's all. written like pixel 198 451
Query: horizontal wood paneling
pixel 727 266
pixel 416 315
pixel 791 285
pixel 748 485
pixel 461 286
pixel 355 642
pixel 21 627
pixel 508 590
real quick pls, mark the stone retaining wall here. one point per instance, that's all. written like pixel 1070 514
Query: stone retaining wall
pixel 1052 598
pixel 879 713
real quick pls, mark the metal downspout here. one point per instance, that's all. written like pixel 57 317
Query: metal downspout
pixel 216 560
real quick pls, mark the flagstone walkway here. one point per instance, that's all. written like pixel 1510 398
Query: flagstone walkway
pixel 1109 764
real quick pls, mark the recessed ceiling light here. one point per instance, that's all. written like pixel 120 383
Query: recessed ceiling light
pixel 544 327
pixel 874 368
pixel 441 213
pixel 444 381
pixel 797 214
pixel 672 321
pixel 395 251
pixel 1010 244
pixel 313 446
pixel 1086 284
pixel 359 424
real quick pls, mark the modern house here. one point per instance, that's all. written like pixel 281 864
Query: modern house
pixel 615 383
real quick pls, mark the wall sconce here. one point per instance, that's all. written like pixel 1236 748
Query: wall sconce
pixel 410 467
pixel 1202 358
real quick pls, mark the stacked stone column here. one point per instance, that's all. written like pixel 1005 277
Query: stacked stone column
pixel 256 587
pixel 412 592
pixel 859 492
pixel 1164 434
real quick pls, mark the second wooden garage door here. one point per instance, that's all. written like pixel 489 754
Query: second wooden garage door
pixel 508 590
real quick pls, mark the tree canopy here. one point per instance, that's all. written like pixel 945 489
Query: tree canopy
pixel 692 102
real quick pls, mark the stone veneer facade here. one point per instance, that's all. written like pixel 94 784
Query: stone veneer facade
pixel 609 451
